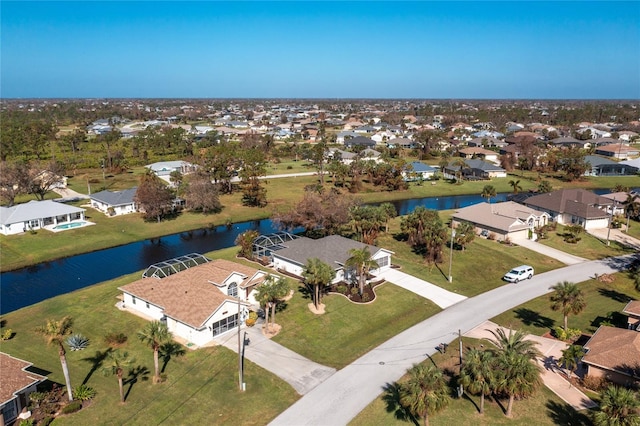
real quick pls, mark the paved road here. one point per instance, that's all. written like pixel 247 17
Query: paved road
pixel 437 295
pixel 347 392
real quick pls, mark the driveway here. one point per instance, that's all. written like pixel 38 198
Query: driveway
pixel 615 235
pixel 437 295
pixel 342 396
pixel 301 373
pixel 551 350
pixel 566 258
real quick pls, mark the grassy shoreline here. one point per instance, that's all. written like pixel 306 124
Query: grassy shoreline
pixel 23 250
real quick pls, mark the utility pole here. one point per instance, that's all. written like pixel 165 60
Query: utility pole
pixel 610 222
pixel 461 389
pixel 240 375
pixel 451 252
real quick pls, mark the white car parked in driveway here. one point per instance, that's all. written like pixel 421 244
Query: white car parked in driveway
pixel 518 274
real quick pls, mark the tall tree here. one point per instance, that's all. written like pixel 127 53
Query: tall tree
pixel 253 167
pixel 425 392
pixel 55 332
pixel 465 234
pixel 515 184
pixel 389 212
pixel 618 407
pixel 245 241
pixel 544 187
pixel 516 374
pixel 115 364
pixel 631 207
pixel 568 299
pixel 153 197
pixel 478 373
pixel 14 180
pixel 318 275
pixel 426 233
pixel 573 163
pixel 488 192
pixel 269 293
pixel 201 194
pixel 44 177
pixel 361 262
pixel 367 222
pixel 154 335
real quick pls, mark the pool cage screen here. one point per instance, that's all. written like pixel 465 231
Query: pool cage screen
pixel 175 265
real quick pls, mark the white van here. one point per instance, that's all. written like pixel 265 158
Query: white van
pixel 519 273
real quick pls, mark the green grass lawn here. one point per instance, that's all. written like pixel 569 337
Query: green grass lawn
pixel 347 331
pixel 490 257
pixel 536 316
pixel 588 247
pixel 543 408
pixel 201 387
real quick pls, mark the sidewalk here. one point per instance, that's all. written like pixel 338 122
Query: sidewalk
pixel 301 373
pixel 566 258
pixel 437 295
pixel 551 350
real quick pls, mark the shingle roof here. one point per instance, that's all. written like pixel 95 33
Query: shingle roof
pixel 614 349
pixel 14 378
pixel 332 250
pixel 632 308
pixel 191 296
pixel 34 210
pixel 507 216
pixel 360 140
pixel 420 167
pixel 577 202
pixel 115 198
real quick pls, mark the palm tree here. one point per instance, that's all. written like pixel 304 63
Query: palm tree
pixel 425 392
pixel 516 375
pixel 631 207
pixel 318 274
pixel 269 294
pixel 618 407
pixel 54 332
pixel 154 335
pixel 544 186
pixel 568 298
pixel 515 184
pixel 571 357
pixel 488 192
pixel 478 373
pixel 360 260
pixel 115 364
pixel 389 211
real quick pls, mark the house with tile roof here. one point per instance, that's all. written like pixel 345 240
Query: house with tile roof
pixel 16 384
pixel 614 354
pixel 199 303
pixel 574 207
pixel 632 309
pixel 619 151
pixel 37 215
pixel 332 250
pixel 507 220
pixel 115 203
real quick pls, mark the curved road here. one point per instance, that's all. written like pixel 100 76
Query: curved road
pixel 342 396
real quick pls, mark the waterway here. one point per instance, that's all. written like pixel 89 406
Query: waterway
pixel 31 285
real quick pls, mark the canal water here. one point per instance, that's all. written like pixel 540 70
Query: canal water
pixel 30 285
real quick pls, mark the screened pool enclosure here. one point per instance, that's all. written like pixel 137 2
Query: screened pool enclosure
pixel 175 265
pixel 264 245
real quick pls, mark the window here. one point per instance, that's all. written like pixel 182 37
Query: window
pixel 225 324
pixel 147 305
pixel 233 290
pixel 133 299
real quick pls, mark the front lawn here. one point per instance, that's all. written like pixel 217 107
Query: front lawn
pixel 536 316
pixel 348 330
pixel 588 247
pixel 543 408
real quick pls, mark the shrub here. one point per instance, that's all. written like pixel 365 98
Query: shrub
pixel 342 289
pixel 7 334
pixel 77 342
pixel 84 393
pixel 571 334
pixel 46 421
pixel 354 291
pixel 289 167
pixel 251 320
pixel 115 339
pixel 594 383
pixel 26 422
pixel 72 407
pixel 366 297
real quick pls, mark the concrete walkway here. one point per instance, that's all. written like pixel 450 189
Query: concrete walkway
pixel 551 350
pixel 69 194
pixel 437 295
pixel 301 373
pixel 566 258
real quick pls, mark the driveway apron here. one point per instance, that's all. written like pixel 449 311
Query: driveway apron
pixel 566 258
pixel 437 295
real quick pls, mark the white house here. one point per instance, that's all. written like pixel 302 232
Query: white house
pixel 114 203
pixel 36 215
pixel 332 250
pixel 418 170
pixel 199 303
pixel 17 384
pixel 574 207
pixel 164 168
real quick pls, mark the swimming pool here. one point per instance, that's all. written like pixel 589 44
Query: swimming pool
pixel 70 225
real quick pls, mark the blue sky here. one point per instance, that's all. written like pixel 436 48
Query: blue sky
pixel 479 49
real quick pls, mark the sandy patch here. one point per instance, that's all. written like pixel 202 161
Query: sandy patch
pixel 313 309
pixel 271 330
